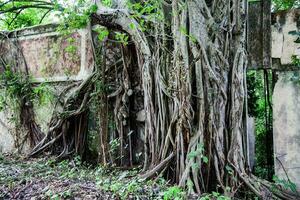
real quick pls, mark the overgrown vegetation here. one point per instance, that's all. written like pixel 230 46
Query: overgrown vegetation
pixel 18 94
pixel 187 59
pixel 46 178
pixel 16 86
pixel 260 89
pixel 285 4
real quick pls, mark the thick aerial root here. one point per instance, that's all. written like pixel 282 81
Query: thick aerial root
pixel 60 123
pixel 158 168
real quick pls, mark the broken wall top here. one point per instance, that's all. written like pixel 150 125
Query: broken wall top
pixel 48 54
pixel 284 45
pixel 270 43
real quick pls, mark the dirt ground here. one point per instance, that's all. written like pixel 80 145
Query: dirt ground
pixel 44 178
pixel 39 179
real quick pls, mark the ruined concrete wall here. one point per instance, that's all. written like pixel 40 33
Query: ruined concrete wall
pixel 286 96
pixel 60 60
pixel 283 43
pixel 49 56
pixel 286 127
pixel 251 141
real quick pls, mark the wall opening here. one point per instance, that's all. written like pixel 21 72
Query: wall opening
pixel 260 84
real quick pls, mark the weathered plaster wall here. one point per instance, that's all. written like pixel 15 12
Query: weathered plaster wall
pixel 46 53
pixel 50 57
pixel 8 140
pixel 251 141
pixel 283 43
pixel 286 96
pixel 286 126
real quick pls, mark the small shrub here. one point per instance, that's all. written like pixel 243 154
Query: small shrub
pixel 174 193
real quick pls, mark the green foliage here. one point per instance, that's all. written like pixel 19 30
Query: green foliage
pixel 75 17
pixel 28 17
pixel 20 14
pixel 107 3
pixel 42 94
pixel 285 4
pixel 185 32
pixel 114 146
pixel 229 169
pixel 295 61
pixel 46 170
pixel 16 87
pixel 151 9
pixel 102 33
pixel 174 193
pixel 127 185
pixel 214 196
pixel 294 77
pixel 122 38
pixel 285 184
pixel 198 152
pixel 254 86
pixel 52 195
pixel 295 33
pixel 295 58
pixel 71 51
pixel 72 15
pixel 257 108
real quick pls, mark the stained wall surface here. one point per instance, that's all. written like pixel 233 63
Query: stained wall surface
pixel 286 127
pixel 49 56
pixel 284 41
pixel 286 95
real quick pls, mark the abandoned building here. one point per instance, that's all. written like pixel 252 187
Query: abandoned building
pixel 48 61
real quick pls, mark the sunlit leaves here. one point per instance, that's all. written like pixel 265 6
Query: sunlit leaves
pixel 102 33
pixel 107 3
pixel 122 37
pixel 23 13
pixel 16 86
pixel 285 4
pixel 145 13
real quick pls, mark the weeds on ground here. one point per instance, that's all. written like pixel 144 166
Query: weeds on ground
pixel 61 180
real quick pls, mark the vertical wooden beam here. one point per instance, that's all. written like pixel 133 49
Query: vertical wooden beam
pixel 254 38
pixel 259 34
pixel 267 34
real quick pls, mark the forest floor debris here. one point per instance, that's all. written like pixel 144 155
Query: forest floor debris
pixel 43 178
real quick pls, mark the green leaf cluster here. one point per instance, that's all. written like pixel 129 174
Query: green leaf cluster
pixel 286 184
pixel 174 193
pixel 285 4
pixel 15 14
pixel 16 87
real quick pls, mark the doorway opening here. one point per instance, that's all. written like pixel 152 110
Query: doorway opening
pixel 260 84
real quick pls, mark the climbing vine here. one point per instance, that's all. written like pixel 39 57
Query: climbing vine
pixel 17 95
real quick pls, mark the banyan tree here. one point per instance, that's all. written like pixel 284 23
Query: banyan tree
pixel 188 58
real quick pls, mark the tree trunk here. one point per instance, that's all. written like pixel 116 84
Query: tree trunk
pixel 204 95
pixel 193 65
